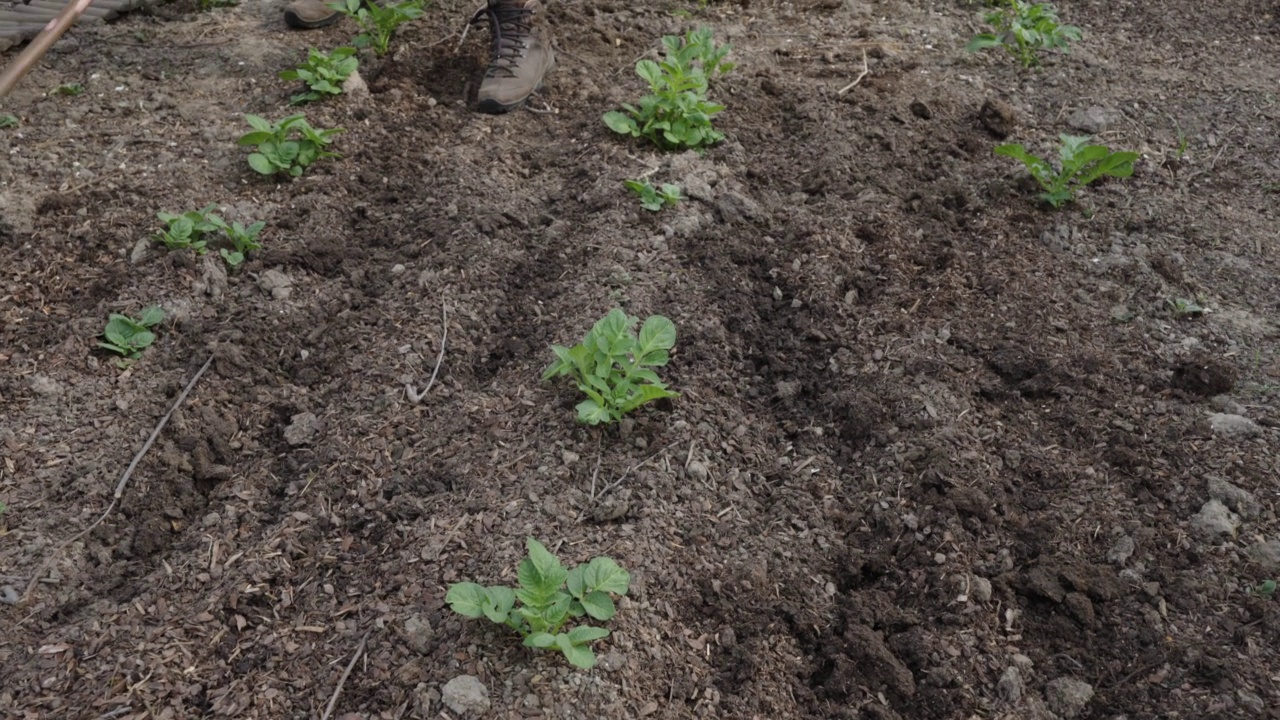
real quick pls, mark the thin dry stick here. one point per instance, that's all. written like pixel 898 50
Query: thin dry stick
pixel 115 497
pixel 414 396
pixel 343 680
pixel 628 471
pixel 858 79
pixel 596 473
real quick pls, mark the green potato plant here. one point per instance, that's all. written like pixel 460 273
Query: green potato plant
pixel 243 239
pixel 1080 164
pixel 8 121
pixel 378 22
pixel 187 231
pixel 613 366
pixel 1024 29
pixel 127 336
pixel 654 198
pixel 289 147
pixel 549 596
pixel 677 115
pixel 323 73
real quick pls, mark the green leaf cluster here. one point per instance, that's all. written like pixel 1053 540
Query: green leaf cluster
pixel 8 121
pixel 323 73
pixel 1080 162
pixel 677 115
pixel 614 367
pixel 129 337
pixel 378 22
pixel 1024 29
pixel 190 231
pixel 187 231
pixel 243 239
pixel 654 198
pixel 549 596
pixel 289 147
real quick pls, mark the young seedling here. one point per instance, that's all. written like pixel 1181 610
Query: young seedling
pixel 8 121
pixel 70 89
pixel 1081 164
pixel 612 366
pixel 1266 590
pixel 289 147
pixel 379 22
pixel 652 198
pixel 323 73
pixel 549 597
pixel 676 115
pixel 187 231
pixel 243 239
pixel 1024 29
pixel 129 337
pixel 206 5
pixel 1184 308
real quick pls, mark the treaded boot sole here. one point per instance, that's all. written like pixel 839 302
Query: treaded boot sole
pixel 489 106
pixel 295 21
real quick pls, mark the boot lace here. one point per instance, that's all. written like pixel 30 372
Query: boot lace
pixel 509 26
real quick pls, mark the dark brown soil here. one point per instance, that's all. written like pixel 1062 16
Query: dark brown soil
pixel 939 450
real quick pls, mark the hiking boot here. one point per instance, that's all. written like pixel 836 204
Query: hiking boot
pixel 310 14
pixel 521 54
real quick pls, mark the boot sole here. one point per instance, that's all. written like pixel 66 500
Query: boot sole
pixel 296 22
pixel 493 107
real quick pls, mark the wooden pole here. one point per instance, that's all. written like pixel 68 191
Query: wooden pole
pixel 40 45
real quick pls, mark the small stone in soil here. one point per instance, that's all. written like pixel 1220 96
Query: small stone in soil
pixel 465 695
pixel 1238 499
pixel 1068 696
pixel 418 634
pixel 1215 520
pixel 302 429
pixel 1120 553
pixel 1230 425
pixel 1266 554
pixel 1010 686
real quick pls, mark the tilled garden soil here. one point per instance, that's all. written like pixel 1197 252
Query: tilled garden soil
pixel 940 452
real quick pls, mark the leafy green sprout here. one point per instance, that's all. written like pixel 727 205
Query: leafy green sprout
pixel 8 121
pixel 289 147
pixel 654 198
pixel 378 22
pixel 549 596
pixel 186 231
pixel 191 231
pixel 243 239
pixel 1080 164
pixel 1266 590
pixel 1024 29
pixel 323 73
pixel 213 4
pixel 70 90
pixel 1185 308
pixel 127 336
pixel 677 115
pixel 613 366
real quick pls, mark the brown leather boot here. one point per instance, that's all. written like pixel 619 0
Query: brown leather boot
pixel 310 14
pixel 521 54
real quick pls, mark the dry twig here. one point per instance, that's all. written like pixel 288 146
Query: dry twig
pixel 858 79
pixel 343 680
pixel 115 497
pixel 414 396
